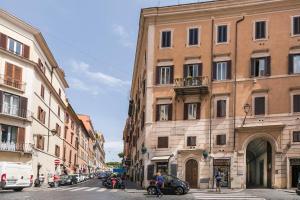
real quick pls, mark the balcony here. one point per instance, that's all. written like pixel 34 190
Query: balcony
pixel 191 86
pixel 16 147
pixel 15 112
pixel 12 83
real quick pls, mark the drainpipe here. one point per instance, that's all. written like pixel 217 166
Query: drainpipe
pixel 235 82
pixel 210 84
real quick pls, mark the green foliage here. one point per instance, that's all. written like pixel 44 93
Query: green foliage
pixel 113 164
pixel 121 155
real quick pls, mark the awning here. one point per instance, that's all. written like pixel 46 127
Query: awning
pixel 160 158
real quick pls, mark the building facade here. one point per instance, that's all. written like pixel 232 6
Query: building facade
pixel 216 88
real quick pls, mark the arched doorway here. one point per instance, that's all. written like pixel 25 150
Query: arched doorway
pixel 259 164
pixel 191 172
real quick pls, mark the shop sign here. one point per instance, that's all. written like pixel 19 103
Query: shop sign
pixel 221 162
pixel 295 161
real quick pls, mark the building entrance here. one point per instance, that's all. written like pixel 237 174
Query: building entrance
pixel 295 166
pixel 259 164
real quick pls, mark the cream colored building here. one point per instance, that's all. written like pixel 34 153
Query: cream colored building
pixel 216 86
pixel 33 97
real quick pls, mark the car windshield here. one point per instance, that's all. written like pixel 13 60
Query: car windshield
pixel 168 178
pixel 64 177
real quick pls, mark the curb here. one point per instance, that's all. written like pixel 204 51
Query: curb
pixel 213 191
pixel 288 191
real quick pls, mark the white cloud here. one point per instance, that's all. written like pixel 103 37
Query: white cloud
pixel 80 85
pixel 99 77
pixel 115 146
pixel 124 37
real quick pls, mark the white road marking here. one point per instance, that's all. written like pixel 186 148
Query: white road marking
pixel 226 197
pixel 77 189
pixel 113 190
pixel 102 190
pixel 91 189
pixel 68 188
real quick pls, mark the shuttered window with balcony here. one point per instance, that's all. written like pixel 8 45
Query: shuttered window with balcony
pixel 13 76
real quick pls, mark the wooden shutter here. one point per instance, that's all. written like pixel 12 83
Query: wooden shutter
pixel 200 69
pixel 43 143
pixel 170 110
pixel 259 105
pixel 3 41
pixel 157 112
pixel 23 107
pixel 219 108
pixel 17 78
pixel 8 76
pixel 21 139
pixel 296 103
pixel 198 111
pixel 291 64
pixel 214 71
pixel 162 142
pixel 185 111
pixel 157 75
pixel 26 51
pixel 185 71
pixel 150 172
pixel 252 67
pixel 42 91
pixel 1 101
pixel 171 74
pixel 268 66
pixel 229 70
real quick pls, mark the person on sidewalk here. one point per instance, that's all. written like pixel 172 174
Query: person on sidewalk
pixel 159 184
pixel 218 181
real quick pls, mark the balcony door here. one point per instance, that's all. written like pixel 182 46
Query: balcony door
pixel 192 73
pixel 11 104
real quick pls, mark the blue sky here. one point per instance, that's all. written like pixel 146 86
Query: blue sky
pixel 94 42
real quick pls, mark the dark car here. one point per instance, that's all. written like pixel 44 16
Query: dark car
pixel 102 175
pixel 298 188
pixel 172 185
pixel 68 180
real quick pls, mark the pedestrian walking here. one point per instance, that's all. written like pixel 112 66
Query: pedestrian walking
pixel 159 184
pixel 218 181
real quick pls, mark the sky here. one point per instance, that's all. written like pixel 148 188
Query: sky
pixel 94 42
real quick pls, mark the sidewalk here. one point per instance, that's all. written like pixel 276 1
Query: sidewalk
pixel 132 187
pixel 287 190
pixel 223 191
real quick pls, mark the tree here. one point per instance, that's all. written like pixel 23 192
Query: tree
pixel 121 155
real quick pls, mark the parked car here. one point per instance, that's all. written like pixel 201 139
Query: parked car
pixel 172 185
pixel 14 176
pixel 298 188
pixel 102 175
pixel 68 180
pixel 77 176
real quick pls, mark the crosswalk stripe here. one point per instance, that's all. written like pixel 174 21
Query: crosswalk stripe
pixel 231 198
pixel 69 188
pixel 226 197
pixel 77 189
pixel 113 190
pixel 91 189
pixel 101 190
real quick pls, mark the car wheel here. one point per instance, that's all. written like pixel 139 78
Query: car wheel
pixel 151 191
pixel 18 189
pixel 179 191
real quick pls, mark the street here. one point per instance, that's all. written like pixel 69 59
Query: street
pixel 93 190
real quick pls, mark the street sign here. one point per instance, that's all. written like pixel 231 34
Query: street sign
pixel 56 162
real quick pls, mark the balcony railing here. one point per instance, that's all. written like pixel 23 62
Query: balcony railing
pixel 15 111
pixel 191 85
pixel 16 147
pixel 19 85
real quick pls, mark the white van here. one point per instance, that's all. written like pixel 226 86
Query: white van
pixel 15 176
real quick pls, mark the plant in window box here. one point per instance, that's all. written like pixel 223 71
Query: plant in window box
pixel 144 150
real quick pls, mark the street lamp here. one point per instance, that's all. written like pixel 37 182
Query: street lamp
pixel 247 108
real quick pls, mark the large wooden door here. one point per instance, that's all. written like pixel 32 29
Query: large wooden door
pixel 191 173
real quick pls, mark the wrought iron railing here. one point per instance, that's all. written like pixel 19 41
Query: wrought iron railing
pixel 12 83
pixel 191 81
pixel 15 147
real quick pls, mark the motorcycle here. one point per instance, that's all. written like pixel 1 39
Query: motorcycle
pixel 113 183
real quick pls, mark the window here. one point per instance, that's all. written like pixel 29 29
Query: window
pixel 40 142
pixel 296 25
pixel 162 167
pixel 164 75
pixel 191 141
pixel 58 111
pixel 162 142
pixel 166 37
pixel 222 70
pixel 72 124
pixel 193 36
pixel 8 134
pixel 67 118
pixel 13 76
pixel 260 67
pixel 75 160
pixel 192 70
pixel 66 132
pixel 294 63
pixel 164 112
pixel 42 91
pixel 296 136
pixel 259 105
pixel 260 30
pixel 11 104
pixel 15 46
pixel 191 111
pixel 57 151
pixel 222 32
pixel 296 103
pixel 72 135
pixel 70 157
pixel 221 139
pixel 59 92
pixel 58 129
pixel 221 108
pixel 41 115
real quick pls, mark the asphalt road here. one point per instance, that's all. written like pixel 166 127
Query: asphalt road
pixel 93 190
